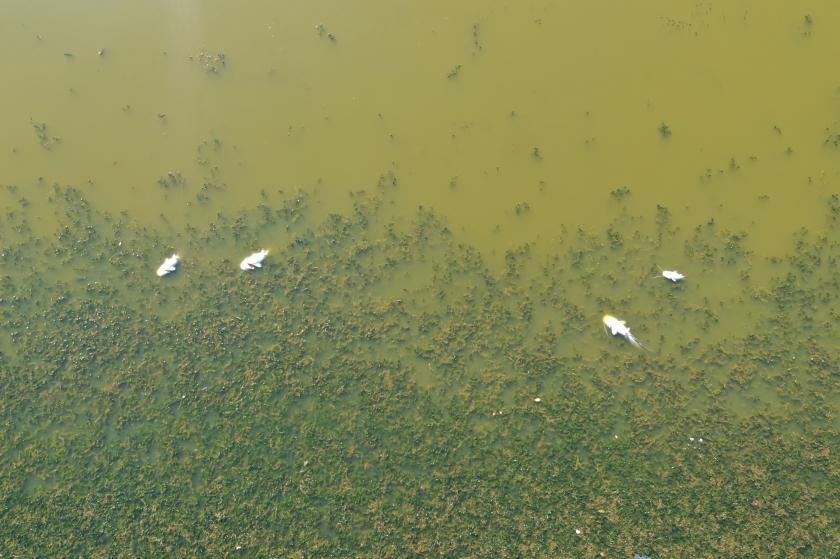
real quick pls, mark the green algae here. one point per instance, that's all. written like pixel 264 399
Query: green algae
pixel 371 391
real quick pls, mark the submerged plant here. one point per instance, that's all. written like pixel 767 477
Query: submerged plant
pixel 45 139
pixel 380 389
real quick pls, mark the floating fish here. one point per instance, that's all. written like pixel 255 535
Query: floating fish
pixel 619 328
pixel 253 261
pixel 672 275
pixel 169 265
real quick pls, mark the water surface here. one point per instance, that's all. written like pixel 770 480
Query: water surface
pixel 452 197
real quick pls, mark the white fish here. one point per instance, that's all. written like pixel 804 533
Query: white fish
pixel 168 265
pixel 619 328
pixel 672 275
pixel 253 261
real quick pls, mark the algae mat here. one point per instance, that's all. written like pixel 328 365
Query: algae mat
pixel 452 197
pixel 378 390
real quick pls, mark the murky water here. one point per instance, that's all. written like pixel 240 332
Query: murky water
pixel 536 103
pixel 452 197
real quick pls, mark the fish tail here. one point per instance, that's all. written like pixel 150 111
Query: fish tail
pixel 632 339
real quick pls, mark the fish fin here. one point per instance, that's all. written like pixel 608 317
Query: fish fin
pixel 637 343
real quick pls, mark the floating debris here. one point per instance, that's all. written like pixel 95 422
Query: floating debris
pixel 253 261
pixel 169 265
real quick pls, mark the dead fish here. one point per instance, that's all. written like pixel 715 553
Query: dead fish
pixel 672 275
pixel 253 261
pixel 169 265
pixel 619 328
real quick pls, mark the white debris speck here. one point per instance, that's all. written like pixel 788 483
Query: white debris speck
pixel 238 547
pixel 538 400
pixel 700 439
pixel 691 439
pixel 578 531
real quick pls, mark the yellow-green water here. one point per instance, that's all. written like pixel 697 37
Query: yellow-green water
pixel 586 83
pixel 371 391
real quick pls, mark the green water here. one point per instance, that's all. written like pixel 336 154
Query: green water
pixel 452 197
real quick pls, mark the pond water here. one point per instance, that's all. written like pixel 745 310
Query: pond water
pixel 452 196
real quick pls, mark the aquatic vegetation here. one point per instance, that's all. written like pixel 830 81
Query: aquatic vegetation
pixel 832 136
pixel 171 179
pixel 454 73
pixel 397 380
pixel 373 394
pixel 620 192
pixel 476 39
pixel 522 208
pixel 45 139
pixel 321 29
pixel 213 63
